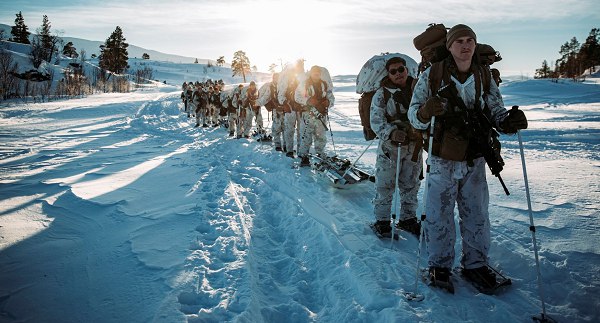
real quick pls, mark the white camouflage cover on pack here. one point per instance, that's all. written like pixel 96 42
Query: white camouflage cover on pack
pixel 264 94
pixel 373 71
pixel 288 71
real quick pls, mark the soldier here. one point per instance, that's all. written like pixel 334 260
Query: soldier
pixel 316 98
pixel 272 105
pixel 200 100
pixel 389 121
pixel 457 171
pixel 249 97
pixel 240 111
pixel 292 110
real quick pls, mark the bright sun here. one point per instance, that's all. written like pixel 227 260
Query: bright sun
pixel 285 31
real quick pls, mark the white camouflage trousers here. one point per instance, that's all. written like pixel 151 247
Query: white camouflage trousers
pixel 450 183
pixel 258 119
pixel 292 121
pixel 277 128
pixel 247 122
pixel 312 129
pixel 201 117
pixel 232 119
pixel 213 114
pixel 385 180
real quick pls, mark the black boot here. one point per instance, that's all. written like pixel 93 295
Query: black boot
pixel 482 276
pixel 290 154
pixel 304 161
pixel 440 277
pixel 383 228
pixel 411 225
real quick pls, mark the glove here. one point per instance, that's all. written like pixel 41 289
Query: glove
pixel 312 101
pixel 516 120
pixel 433 107
pixel 324 103
pixel 398 136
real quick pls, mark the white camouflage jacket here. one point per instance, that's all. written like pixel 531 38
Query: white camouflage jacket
pixel 303 93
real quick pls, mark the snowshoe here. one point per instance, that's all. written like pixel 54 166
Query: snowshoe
pixel 411 226
pixel 485 279
pixel 383 230
pixel 304 162
pixel 440 277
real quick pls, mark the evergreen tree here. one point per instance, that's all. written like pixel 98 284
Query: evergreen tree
pixel 48 41
pixel 196 61
pixel 221 61
pixel 240 65
pixel 589 53
pixel 20 32
pixel 543 72
pixel 145 56
pixel 70 51
pixel 113 54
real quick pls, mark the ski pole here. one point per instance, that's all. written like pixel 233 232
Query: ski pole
pixel 415 296
pixel 395 204
pixel 331 132
pixel 544 317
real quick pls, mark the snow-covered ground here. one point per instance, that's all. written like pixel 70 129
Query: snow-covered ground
pixel 114 209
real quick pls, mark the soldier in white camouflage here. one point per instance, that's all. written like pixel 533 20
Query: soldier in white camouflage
pixel 240 115
pixel 389 121
pixel 269 99
pixel 457 175
pixel 316 98
pixel 292 110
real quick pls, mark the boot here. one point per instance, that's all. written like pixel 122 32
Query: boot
pixel 440 277
pixel 482 276
pixel 277 148
pixel 304 161
pixel 290 154
pixel 411 225
pixel 383 228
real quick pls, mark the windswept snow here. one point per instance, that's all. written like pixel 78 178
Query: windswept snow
pixel 114 209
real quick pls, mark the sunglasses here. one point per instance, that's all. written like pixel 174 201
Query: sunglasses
pixel 400 70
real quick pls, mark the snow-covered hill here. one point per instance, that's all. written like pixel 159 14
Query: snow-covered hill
pixel 114 209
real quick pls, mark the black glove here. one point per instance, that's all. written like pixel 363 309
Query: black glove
pixel 398 136
pixel 515 121
pixel 433 107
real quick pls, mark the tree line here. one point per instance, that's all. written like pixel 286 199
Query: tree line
pixel 575 58
pixel 113 74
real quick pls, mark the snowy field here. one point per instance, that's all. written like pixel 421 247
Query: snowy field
pixel 114 209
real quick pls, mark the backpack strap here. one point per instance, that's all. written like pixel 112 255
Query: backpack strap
pixel 437 73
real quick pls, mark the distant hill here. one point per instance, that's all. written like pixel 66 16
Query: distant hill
pixel 93 47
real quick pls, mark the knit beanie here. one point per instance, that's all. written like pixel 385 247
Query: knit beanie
pixel 458 31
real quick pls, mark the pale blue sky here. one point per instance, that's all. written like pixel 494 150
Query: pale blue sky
pixel 340 35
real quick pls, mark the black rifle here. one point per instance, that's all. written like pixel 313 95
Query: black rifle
pixel 481 134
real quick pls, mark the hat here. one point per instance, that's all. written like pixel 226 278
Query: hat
pixel 458 31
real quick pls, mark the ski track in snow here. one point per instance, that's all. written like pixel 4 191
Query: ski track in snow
pixel 140 217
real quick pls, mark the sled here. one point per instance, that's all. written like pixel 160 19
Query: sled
pixel 340 172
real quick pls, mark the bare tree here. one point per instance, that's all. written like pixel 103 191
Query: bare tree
pixel 8 81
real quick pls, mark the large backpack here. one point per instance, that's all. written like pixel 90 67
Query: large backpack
pixel 369 80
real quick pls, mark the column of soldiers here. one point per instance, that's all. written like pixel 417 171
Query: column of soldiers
pixel 298 108
pixel 202 100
